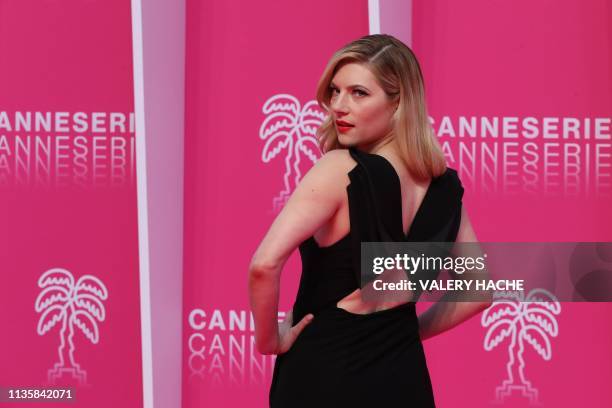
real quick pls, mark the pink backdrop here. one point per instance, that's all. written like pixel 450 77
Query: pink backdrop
pixel 69 199
pixel 238 57
pixel 480 59
pixel 522 60
pixel 74 207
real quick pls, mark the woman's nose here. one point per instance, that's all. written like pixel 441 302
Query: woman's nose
pixel 338 103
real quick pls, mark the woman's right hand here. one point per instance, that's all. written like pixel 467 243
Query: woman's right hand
pixel 287 333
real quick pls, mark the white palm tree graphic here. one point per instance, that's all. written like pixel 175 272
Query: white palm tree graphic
pixel 74 305
pixel 290 129
pixel 523 319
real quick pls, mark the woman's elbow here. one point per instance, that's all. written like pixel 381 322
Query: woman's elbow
pixel 264 268
pixel 260 271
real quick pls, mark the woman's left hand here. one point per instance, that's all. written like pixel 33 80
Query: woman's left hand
pixel 287 333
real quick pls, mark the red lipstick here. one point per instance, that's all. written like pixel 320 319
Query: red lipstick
pixel 343 126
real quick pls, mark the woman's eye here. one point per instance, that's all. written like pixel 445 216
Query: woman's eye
pixel 359 92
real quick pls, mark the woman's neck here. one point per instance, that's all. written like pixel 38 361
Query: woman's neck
pixel 382 146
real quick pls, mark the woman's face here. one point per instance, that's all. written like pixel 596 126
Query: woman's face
pixel 357 99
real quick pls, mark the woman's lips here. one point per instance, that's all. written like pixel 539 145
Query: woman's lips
pixel 343 126
pixel 343 129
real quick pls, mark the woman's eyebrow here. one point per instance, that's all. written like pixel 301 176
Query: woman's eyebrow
pixel 351 86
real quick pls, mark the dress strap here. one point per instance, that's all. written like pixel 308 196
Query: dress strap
pixel 373 204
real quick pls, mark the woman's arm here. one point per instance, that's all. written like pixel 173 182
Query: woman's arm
pixel 314 201
pixel 446 313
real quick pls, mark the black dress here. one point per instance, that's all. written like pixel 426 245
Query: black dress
pixel 363 360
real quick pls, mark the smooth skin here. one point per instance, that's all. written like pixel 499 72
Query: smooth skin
pixel 319 207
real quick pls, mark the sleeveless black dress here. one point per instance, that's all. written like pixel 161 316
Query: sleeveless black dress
pixel 363 360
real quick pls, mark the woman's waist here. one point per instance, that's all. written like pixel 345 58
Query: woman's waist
pixel 329 313
pixel 339 329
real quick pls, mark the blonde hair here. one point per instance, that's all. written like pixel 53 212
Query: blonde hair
pixel 398 73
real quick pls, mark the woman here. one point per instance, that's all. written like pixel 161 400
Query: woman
pixel 382 177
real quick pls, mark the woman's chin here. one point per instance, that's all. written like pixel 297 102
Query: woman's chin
pixel 345 140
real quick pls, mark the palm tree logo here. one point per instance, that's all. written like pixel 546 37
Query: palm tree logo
pixel 291 129
pixel 525 320
pixel 74 305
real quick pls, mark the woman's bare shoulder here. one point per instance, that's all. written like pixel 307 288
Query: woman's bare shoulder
pixel 327 178
pixel 335 162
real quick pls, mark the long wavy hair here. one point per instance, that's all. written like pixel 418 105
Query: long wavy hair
pixel 398 73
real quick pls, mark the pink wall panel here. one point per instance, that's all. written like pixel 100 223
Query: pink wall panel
pixel 69 201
